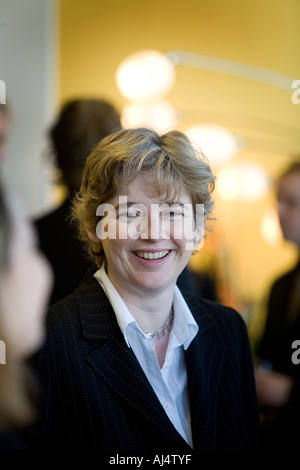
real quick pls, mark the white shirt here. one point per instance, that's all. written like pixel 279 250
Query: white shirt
pixel 169 382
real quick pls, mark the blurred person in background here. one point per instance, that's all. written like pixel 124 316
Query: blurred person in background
pixel 277 376
pixel 81 124
pixel 201 284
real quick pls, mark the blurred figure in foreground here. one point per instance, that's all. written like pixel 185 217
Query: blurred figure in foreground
pixel 4 125
pixel 278 375
pixel 25 283
pixel 81 124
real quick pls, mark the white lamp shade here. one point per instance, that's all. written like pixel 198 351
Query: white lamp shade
pixel 244 181
pixel 216 142
pixel 159 115
pixel 145 75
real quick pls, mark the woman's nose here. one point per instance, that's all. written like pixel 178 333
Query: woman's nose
pixel 152 229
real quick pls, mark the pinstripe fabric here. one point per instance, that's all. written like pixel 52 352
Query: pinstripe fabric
pixel 96 395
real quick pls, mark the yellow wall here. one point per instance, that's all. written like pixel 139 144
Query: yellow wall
pixel 96 35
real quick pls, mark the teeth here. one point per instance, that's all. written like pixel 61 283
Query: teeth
pixel 147 255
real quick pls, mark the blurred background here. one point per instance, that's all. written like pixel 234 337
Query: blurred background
pixel 221 71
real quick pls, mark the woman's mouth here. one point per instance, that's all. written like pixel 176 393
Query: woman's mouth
pixel 152 255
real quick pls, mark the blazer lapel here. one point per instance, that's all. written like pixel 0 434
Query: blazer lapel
pixel 114 362
pixel 204 362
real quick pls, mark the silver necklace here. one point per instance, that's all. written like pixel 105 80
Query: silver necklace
pixel 167 326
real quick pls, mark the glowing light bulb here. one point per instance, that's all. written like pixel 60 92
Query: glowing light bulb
pixel 145 75
pixel 245 181
pixel 159 115
pixel 217 143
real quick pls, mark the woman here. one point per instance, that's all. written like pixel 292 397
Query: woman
pixel 24 289
pixel 131 364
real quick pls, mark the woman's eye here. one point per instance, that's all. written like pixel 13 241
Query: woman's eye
pixel 133 214
pixel 129 215
pixel 174 214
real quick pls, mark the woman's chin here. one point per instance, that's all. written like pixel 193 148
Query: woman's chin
pixel 153 282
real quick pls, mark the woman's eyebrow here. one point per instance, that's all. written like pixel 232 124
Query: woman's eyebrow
pixel 126 204
pixel 177 203
pixel 131 203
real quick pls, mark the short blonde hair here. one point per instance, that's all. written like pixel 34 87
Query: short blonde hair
pixel 118 159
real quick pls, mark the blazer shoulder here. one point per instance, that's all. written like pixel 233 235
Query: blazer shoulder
pixel 86 312
pixel 63 314
pixel 211 308
pixel 224 321
pixel 89 288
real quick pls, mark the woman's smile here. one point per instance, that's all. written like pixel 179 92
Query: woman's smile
pixel 152 258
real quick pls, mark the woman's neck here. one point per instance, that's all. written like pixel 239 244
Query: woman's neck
pixel 151 310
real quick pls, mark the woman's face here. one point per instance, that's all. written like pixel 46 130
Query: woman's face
pixel 150 248
pixel 288 196
pixel 25 289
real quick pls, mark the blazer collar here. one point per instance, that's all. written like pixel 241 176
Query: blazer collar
pixel 98 320
pixel 205 360
pixel 200 312
pixel 93 305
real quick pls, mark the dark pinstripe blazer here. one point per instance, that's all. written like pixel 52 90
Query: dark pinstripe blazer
pixel 96 395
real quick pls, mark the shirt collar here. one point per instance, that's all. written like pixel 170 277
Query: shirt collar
pixel 123 315
pixel 184 328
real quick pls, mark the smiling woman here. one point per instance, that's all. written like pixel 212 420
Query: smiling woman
pixel 170 161
pixel 150 368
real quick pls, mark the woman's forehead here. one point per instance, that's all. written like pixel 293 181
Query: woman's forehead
pixel 147 184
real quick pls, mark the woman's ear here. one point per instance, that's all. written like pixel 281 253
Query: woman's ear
pixel 92 235
pixel 200 229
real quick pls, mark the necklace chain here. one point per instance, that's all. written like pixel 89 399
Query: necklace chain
pixel 168 325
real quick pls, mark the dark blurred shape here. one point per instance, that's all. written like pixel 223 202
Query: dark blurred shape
pixel 5 118
pixel 197 283
pixel 80 126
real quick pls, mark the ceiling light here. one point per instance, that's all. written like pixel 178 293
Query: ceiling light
pixel 216 142
pixel 243 181
pixel 159 115
pixel 145 75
